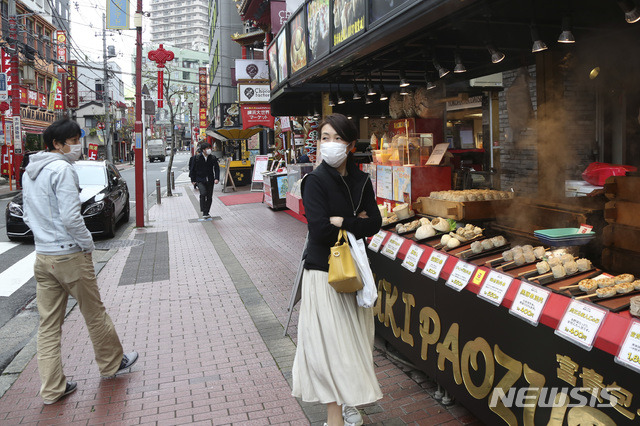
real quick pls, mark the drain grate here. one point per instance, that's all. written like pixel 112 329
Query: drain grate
pixel 116 244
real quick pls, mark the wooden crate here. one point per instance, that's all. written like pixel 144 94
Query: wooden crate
pixel 622 237
pixel 462 210
pixel 623 188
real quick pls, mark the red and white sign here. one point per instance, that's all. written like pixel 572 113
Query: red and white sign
pixel 6 68
pixel 202 80
pixel 7 158
pixel 42 100
pixel 32 97
pixel 61 50
pixel 256 115
pixel 59 102
pixel 285 124
pixel 93 151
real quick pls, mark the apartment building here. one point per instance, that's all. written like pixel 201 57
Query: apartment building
pixel 180 23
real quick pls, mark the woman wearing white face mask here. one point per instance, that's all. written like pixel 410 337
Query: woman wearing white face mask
pixel 334 357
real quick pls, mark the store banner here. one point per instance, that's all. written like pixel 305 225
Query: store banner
pixel 6 68
pixel 42 100
pixel 202 76
pixel 32 97
pixel 254 93
pixel 256 115
pixel 285 124
pixel 93 151
pixel 203 118
pixel 7 159
pixel 24 95
pixel 72 84
pixel 279 15
pixel 61 50
pixel 251 69
pixel 228 115
pixel 52 94
pixel 59 102
pixel 348 20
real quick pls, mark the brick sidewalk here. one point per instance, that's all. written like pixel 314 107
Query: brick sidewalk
pixel 210 336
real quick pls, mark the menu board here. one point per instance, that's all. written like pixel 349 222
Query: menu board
pixel 273 65
pixel 384 182
pixel 298 46
pixel 401 183
pixel 283 70
pixel 347 19
pixel 318 28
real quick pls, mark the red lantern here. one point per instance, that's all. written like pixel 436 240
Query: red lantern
pixel 160 56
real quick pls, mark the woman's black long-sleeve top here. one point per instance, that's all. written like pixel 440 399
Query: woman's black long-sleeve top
pixel 326 193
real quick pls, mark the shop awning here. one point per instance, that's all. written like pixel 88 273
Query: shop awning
pixel 233 133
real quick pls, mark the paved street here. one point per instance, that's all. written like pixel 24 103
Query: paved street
pixel 204 303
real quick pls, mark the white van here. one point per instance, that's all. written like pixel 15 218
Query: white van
pixel 156 150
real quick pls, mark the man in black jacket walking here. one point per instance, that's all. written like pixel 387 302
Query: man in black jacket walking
pixel 205 172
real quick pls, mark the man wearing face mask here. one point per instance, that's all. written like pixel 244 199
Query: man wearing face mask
pixel 64 264
pixel 205 172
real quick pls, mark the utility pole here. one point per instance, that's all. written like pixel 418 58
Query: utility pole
pixel 105 92
pixel 139 149
pixel 15 89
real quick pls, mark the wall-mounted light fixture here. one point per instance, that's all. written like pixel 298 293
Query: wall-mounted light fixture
pixel 566 36
pixel 442 71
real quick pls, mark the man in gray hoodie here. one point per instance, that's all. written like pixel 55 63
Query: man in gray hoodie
pixel 63 261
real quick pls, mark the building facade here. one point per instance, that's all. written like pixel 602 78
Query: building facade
pixel 181 23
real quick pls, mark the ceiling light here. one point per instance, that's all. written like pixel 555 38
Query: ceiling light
pixel 340 99
pixel 631 14
pixel 460 68
pixel 431 85
pixel 538 44
pixel 403 79
pixel 442 71
pixel 349 117
pixel 368 100
pixel 366 117
pixel 404 91
pixel 496 55
pixel 332 102
pixel 566 36
pixel 356 92
pixel 594 73
pixel 383 94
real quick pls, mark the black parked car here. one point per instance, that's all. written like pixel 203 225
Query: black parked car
pixel 104 195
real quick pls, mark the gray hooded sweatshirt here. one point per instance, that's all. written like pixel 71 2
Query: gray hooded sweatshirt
pixel 51 200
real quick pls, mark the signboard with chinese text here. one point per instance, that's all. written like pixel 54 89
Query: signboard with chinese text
pixel 72 84
pixel 256 115
pixel 61 50
pixel 118 14
pixel 347 20
pixel 93 151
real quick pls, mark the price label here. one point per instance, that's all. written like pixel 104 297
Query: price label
pixel 461 275
pixel 393 246
pixel 529 302
pixel 629 354
pixel 478 276
pixel 434 265
pixel 581 323
pixel 376 241
pixel 495 287
pixel 411 260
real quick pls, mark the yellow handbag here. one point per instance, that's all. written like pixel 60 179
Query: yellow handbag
pixel 343 275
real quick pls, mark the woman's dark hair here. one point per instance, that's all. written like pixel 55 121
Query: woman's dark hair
pixel 342 125
pixel 60 131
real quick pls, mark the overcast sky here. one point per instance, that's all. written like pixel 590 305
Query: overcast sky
pixel 86 36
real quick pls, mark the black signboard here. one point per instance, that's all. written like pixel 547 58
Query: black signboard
pixel 229 115
pixel 379 8
pixel 504 370
pixel 318 15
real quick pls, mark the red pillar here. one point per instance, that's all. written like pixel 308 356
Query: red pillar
pixel 15 94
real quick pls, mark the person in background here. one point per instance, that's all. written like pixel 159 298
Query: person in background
pixel 303 158
pixel 205 172
pixel 191 161
pixel 334 357
pixel 64 264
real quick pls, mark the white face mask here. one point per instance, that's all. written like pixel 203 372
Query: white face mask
pixel 207 151
pixel 75 151
pixel 334 153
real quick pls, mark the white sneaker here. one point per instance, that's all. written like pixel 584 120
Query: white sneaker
pixel 351 416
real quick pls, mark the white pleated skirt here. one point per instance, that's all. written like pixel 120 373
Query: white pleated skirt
pixel 334 357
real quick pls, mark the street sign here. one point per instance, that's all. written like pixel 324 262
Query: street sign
pixel 4 92
pixel 100 125
pixel 17 135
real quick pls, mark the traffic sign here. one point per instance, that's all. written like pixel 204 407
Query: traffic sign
pixel 100 125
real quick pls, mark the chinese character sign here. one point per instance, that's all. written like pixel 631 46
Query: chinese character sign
pixel 72 84
pixel 61 37
pixel 93 151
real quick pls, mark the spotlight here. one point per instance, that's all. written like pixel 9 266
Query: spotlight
pixel 404 91
pixel 340 99
pixel 383 94
pixel 367 100
pixel 442 71
pixel 403 79
pixel 332 101
pixel 349 117
pixel 566 36
pixel 356 92
pixel 366 117
pixel 594 73
pixel 631 14
pixel 431 85
pixel 460 68
pixel 496 55
pixel 538 44
pixel 370 90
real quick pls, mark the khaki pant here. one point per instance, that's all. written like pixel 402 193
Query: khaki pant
pixel 57 277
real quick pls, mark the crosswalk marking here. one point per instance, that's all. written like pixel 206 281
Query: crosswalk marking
pixel 5 245
pixel 16 275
